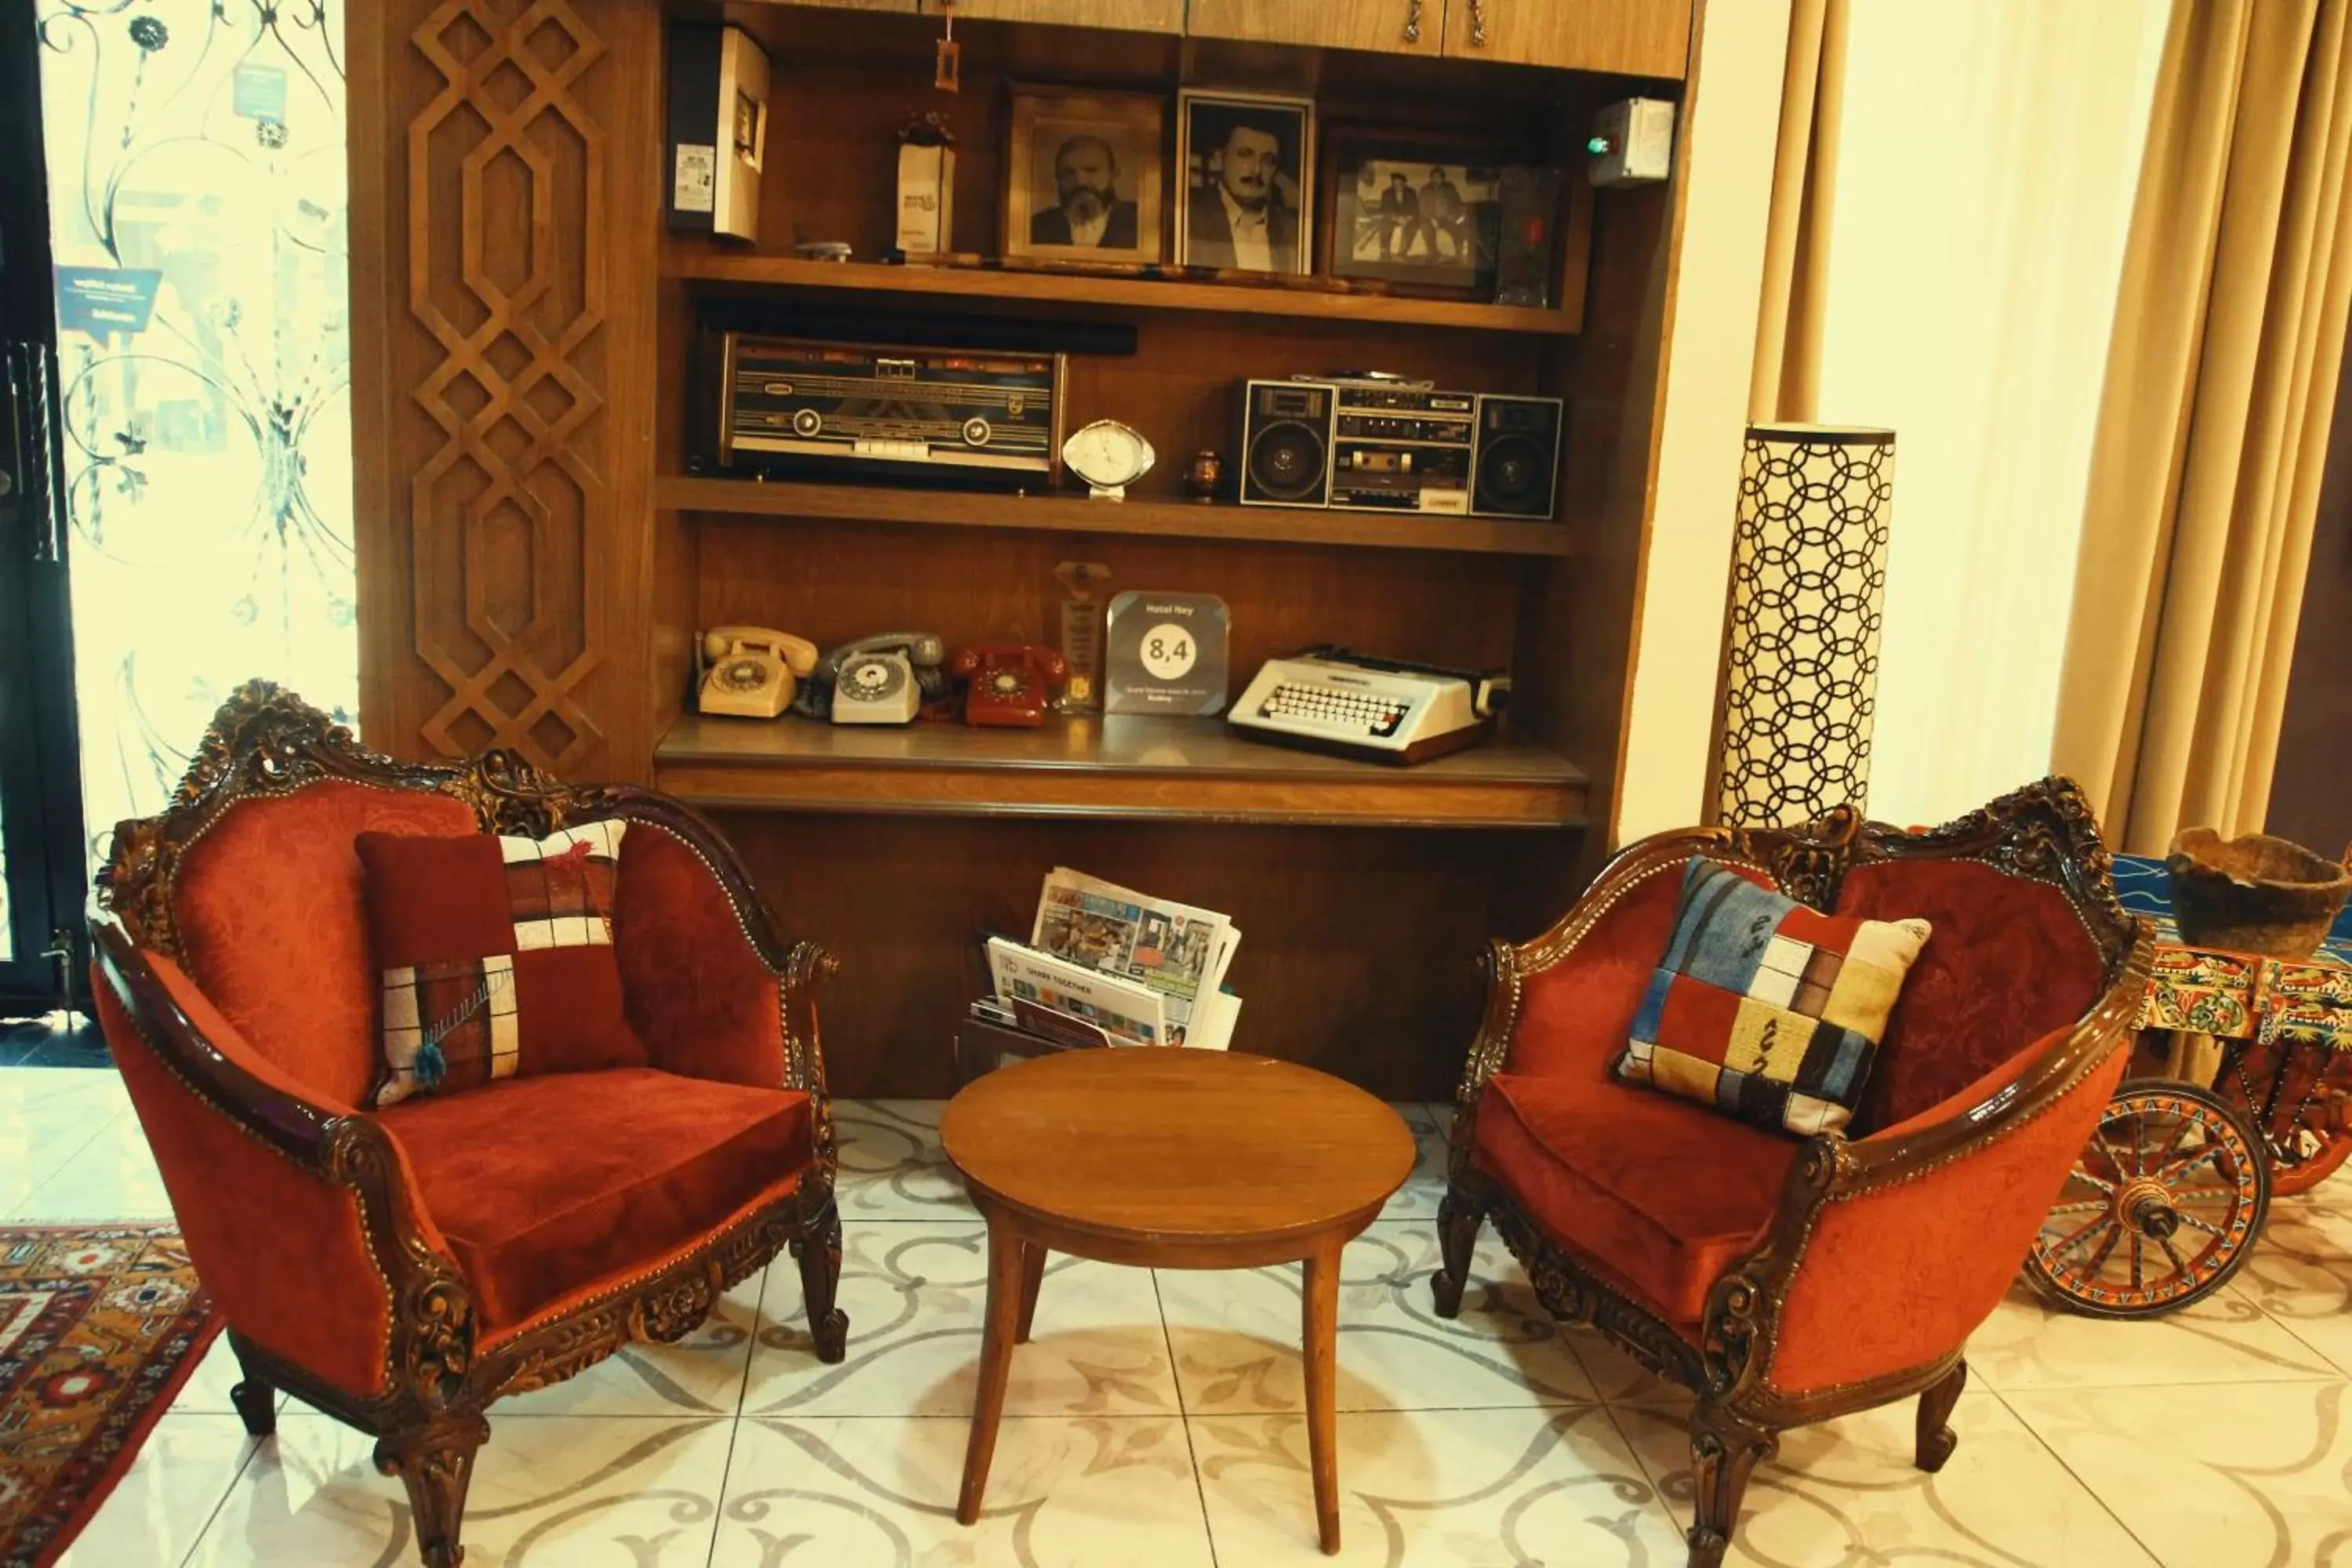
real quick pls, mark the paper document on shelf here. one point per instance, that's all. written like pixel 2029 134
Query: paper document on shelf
pixel 1131 1012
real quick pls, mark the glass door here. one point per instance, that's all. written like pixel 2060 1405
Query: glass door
pixel 41 875
pixel 176 262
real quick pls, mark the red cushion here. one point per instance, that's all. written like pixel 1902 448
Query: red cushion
pixel 1764 1009
pixel 496 955
pixel 1662 1193
pixel 1579 1012
pixel 542 1185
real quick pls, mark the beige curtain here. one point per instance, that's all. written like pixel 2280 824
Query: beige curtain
pixel 1786 381
pixel 1952 196
pixel 2212 425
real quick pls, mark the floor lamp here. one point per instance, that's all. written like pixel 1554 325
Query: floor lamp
pixel 1801 643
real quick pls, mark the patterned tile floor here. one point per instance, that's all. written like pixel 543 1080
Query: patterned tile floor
pixel 1155 1418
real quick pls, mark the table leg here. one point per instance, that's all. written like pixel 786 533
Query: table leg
pixel 1033 1274
pixel 1006 1252
pixel 1318 1340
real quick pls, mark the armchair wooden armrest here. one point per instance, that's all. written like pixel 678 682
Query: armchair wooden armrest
pixel 1954 1195
pixel 304 1211
pixel 1565 1001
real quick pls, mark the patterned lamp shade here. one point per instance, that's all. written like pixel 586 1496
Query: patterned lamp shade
pixel 1801 656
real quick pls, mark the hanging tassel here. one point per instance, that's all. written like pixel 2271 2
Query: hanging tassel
pixel 948 77
pixel 431 1066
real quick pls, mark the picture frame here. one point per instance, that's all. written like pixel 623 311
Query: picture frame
pixel 1265 142
pixel 1085 175
pixel 1420 212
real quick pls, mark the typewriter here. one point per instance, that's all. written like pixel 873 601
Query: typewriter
pixel 1330 699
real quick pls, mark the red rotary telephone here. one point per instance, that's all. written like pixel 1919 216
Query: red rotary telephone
pixel 1011 682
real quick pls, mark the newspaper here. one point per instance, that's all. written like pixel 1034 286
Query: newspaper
pixel 1177 951
pixel 1120 1007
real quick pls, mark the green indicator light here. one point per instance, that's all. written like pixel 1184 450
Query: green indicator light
pixel 1597 145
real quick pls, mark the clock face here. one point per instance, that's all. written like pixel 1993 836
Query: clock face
pixel 1107 453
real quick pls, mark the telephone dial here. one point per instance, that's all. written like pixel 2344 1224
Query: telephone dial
pixel 883 679
pixel 1009 682
pixel 750 671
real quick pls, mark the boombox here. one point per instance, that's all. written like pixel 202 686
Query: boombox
pixel 1385 446
pixel 799 405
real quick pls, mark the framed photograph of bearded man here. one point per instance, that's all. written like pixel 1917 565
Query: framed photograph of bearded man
pixel 1084 175
pixel 1244 168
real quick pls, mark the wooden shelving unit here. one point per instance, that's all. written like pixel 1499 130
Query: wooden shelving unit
pixel 1128 767
pixel 836 501
pixel 563 620
pixel 972 283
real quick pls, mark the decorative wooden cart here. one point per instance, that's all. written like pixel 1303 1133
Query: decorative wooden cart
pixel 2241 1090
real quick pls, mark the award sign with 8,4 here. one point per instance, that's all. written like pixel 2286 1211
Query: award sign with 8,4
pixel 1167 653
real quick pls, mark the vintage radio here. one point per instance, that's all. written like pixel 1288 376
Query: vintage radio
pixel 962 417
pixel 1286 443
pixel 1401 448
pixel 1516 468
pixel 1366 445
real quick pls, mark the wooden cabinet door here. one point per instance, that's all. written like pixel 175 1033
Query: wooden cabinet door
pixel 1637 38
pixel 1391 27
pixel 1128 16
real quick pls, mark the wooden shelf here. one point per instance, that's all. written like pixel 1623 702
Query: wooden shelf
pixel 837 501
pixel 1120 766
pixel 1119 293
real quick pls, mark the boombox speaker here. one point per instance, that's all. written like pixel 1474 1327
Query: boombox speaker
pixel 1517 466
pixel 1286 456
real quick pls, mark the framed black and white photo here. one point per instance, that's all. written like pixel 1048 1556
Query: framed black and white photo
pixel 1421 211
pixel 1245 162
pixel 1083 176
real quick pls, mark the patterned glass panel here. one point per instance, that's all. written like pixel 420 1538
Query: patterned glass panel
pixel 198 218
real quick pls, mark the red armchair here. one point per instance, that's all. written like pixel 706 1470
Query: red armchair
pixel 402 1268
pixel 1788 1280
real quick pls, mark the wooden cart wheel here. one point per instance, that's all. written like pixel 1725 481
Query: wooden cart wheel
pixel 2158 1212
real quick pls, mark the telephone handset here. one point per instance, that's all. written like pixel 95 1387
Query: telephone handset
pixel 881 680
pixel 750 671
pixel 1011 682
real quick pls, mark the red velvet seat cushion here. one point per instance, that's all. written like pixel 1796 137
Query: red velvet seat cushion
pixel 1663 1193
pixel 542 1185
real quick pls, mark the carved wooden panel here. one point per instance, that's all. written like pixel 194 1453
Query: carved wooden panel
pixel 507 184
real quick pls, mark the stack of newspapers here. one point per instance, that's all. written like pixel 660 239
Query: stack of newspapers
pixel 1108 961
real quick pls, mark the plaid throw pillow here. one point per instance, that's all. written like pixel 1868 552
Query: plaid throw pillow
pixel 496 955
pixel 1765 1009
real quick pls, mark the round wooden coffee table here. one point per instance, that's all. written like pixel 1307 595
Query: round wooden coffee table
pixel 1168 1158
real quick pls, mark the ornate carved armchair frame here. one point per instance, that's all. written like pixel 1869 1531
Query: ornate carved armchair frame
pixel 441 1372
pixel 2043 832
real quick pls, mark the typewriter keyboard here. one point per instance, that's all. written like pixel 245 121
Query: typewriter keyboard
pixel 1338 708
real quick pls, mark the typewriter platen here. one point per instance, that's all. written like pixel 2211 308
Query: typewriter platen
pixel 1381 710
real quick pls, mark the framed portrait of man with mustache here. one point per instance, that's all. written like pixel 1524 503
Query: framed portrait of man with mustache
pixel 1247 160
pixel 1083 176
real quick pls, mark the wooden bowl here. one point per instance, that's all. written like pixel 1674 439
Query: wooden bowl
pixel 2254 894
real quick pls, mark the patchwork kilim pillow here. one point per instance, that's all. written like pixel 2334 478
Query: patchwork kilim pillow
pixel 1765 1009
pixel 496 955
